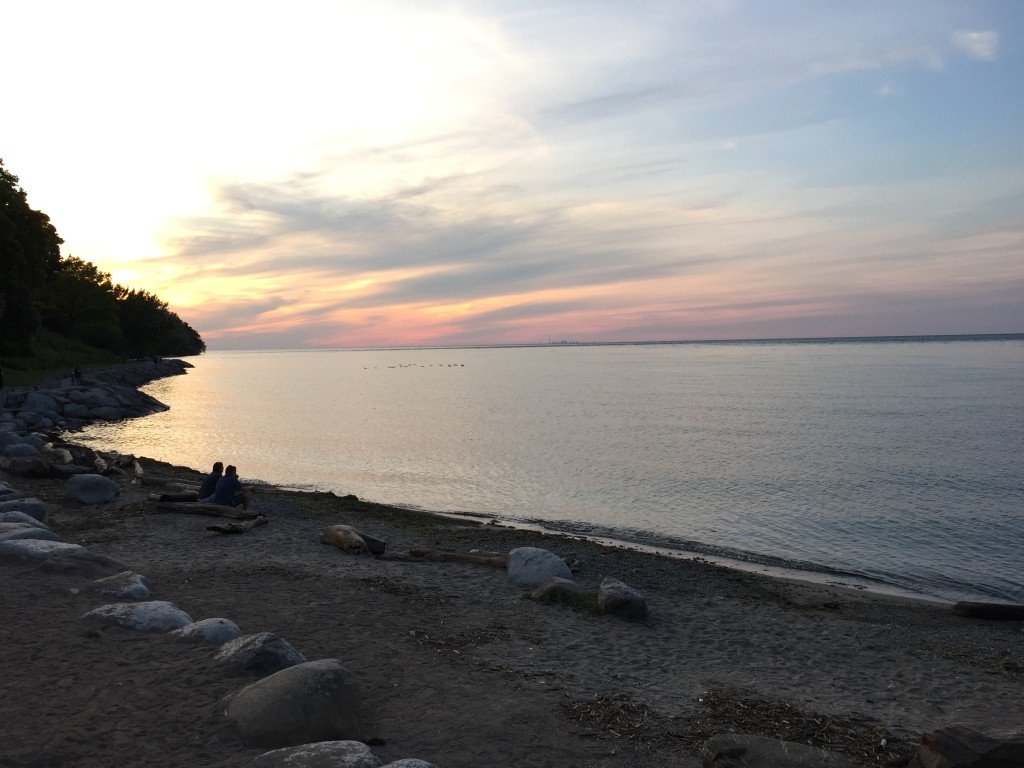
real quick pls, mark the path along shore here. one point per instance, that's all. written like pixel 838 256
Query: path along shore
pixel 455 666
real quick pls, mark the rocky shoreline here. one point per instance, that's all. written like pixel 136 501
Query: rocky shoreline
pixel 463 643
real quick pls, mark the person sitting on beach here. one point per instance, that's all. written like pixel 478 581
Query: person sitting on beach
pixel 229 491
pixel 209 486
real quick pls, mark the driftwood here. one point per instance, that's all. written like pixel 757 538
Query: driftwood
pixel 496 559
pixel 210 510
pixel 241 527
pixel 352 541
pixel 188 496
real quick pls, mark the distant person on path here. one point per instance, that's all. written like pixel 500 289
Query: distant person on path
pixel 230 492
pixel 209 486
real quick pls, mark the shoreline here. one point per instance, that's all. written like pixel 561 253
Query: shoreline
pixel 456 667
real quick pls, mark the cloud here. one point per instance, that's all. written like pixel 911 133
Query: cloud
pixel 977 45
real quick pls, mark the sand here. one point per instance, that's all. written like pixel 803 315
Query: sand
pixel 456 667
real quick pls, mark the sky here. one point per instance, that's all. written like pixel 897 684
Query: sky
pixel 335 174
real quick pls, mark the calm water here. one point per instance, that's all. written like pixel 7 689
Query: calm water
pixel 897 461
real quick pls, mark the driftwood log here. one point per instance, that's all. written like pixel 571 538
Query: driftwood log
pixel 210 510
pixel 240 527
pixel 352 541
pixel 496 559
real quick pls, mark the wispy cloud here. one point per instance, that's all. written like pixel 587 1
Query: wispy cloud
pixel 977 45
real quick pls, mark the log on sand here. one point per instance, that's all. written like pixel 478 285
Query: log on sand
pixel 241 527
pixel 211 510
pixel 496 559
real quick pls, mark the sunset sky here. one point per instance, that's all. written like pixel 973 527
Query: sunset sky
pixel 318 174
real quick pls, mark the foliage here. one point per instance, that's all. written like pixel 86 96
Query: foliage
pixel 40 291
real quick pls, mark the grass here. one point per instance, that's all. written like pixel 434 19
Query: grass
pixel 53 354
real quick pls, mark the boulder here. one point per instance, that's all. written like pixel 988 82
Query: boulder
pixel 31 507
pixel 323 754
pixel 215 631
pixel 18 531
pixel 9 438
pixel 739 750
pixel 40 403
pixel 81 562
pixel 348 539
pixel 21 517
pixel 410 762
pixel 91 489
pixel 125 585
pixel 28 467
pixel 21 451
pixel 315 701
pixel 261 653
pixel 529 567
pixel 152 616
pixel 618 599
pixel 59 455
pixel 956 746
pixel 76 411
pixel 566 592
pixel 33 550
pixel 65 471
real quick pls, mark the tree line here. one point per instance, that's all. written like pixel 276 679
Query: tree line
pixel 41 289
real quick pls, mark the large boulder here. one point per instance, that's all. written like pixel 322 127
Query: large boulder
pixel 91 489
pixel 33 550
pixel 261 653
pixel 152 616
pixel 125 585
pixel 21 451
pixel 31 507
pixel 17 531
pixel 315 701
pixel 21 517
pixel 529 567
pixel 957 746
pixel 216 631
pixel 83 563
pixel 618 599
pixel 740 750
pixel 41 404
pixel 323 754
pixel 8 437
pixel 566 592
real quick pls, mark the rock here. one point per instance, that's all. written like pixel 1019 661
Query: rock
pixel 64 471
pixel 19 531
pixel 39 403
pixel 21 517
pixel 9 438
pixel 566 592
pixel 152 616
pixel 349 540
pixel 529 567
pixel 323 754
pixel 125 585
pixel 21 450
pixel 618 599
pixel 315 701
pixel 76 411
pixel 91 489
pixel 261 653
pixel 956 746
pixel 32 550
pixel 81 562
pixel 107 413
pixel 738 750
pixel 996 611
pixel 215 631
pixel 28 467
pixel 410 762
pixel 59 455
pixel 31 507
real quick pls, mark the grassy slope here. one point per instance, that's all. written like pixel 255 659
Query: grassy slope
pixel 52 353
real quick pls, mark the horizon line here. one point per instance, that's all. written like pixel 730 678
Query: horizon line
pixel 892 338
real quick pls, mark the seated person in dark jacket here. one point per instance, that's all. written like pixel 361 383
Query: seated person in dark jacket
pixel 209 485
pixel 230 492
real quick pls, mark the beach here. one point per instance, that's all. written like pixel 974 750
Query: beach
pixel 456 667
pixel 455 664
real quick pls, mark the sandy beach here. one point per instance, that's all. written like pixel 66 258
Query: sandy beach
pixel 456 666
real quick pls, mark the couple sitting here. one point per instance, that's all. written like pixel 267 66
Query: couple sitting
pixel 224 487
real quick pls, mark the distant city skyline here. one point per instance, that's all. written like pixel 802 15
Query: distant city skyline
pixel 333 174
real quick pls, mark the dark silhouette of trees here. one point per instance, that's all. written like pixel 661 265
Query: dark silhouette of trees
pixel 70 296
